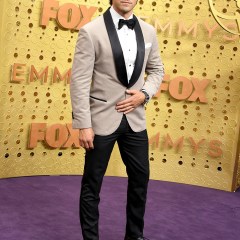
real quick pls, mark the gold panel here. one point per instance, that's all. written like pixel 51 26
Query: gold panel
pixel 193 121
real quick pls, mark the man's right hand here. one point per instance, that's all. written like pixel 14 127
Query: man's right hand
pixel 86 136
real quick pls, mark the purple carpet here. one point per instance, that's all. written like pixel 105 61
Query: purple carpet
pixel 46 208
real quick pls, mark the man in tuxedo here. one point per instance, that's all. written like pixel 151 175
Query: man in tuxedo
pixel 108 92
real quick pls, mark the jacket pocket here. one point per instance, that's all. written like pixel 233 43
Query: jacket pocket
pixel 102 100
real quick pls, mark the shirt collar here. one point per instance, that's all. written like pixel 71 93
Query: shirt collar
pixel 116 16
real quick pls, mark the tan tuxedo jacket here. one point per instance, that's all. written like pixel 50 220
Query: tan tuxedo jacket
pixel 99 77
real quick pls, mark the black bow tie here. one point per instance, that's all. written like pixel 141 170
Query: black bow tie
pixel 130 23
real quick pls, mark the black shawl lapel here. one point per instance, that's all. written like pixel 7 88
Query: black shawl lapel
pixel 116 49
pixel 140 54
pixel 118 53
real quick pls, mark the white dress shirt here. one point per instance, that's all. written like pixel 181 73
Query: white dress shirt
pixel 127 38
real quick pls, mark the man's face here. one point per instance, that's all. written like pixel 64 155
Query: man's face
pixel 124 6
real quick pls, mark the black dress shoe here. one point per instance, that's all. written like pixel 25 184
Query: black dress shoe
pixel 139 238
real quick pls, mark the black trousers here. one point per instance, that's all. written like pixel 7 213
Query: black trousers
pixel 133 148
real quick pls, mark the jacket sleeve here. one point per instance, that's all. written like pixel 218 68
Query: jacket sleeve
pixel 154 69
pixel 80 84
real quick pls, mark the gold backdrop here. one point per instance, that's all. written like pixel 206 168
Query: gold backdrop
pixel 193 121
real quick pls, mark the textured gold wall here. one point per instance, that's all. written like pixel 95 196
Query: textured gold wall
pixel 197 105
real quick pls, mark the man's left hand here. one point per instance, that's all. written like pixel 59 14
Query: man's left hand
pixel 129 104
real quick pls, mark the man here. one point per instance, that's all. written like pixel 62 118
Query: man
pixel 108 93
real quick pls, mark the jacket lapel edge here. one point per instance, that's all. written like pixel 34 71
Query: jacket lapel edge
pixel 140 53
pixel 116 49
